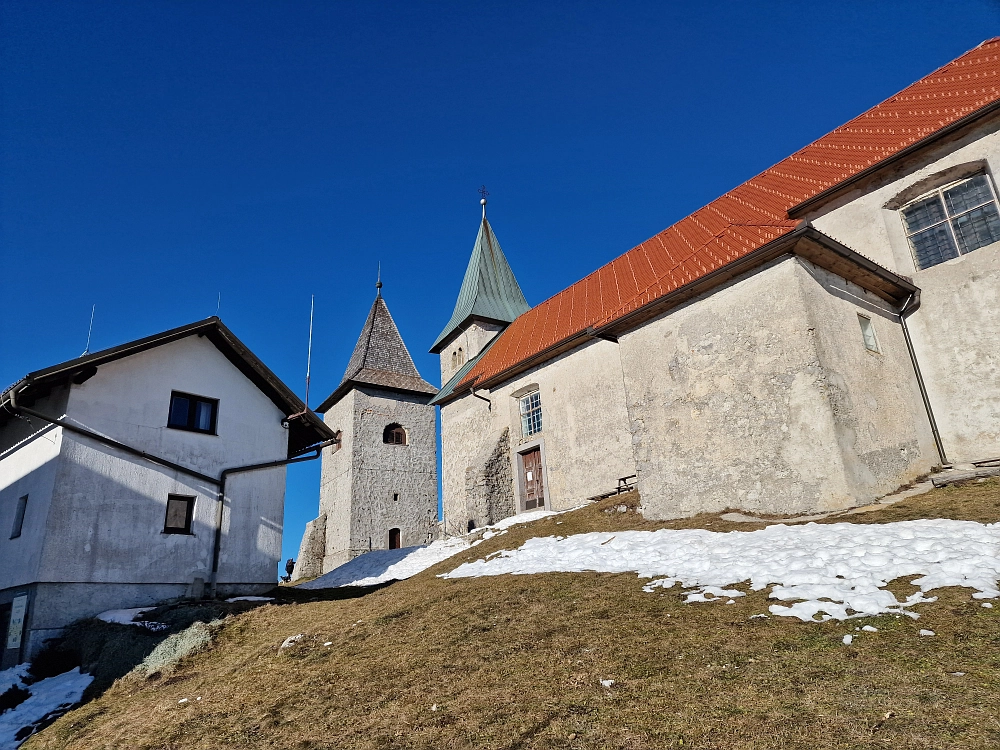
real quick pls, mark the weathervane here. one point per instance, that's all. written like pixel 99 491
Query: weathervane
pixel 483 192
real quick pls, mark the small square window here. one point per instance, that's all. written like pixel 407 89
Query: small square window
pixel 22 505
pixel 194 413
pixel 180 510
pixel 868 333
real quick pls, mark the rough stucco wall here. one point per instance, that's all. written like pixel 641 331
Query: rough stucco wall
pixel 881 428
pixel 585 432
pixel 471 341
pixel 728 404
pixel 958 323
pixel 383 471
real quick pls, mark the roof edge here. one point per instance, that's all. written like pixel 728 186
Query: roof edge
pixel 443 342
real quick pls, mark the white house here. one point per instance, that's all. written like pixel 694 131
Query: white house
pixel 145 472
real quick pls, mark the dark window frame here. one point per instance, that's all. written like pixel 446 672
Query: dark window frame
pixel 392 432
pixel 188 516
pixel 193 401
pixel 20 510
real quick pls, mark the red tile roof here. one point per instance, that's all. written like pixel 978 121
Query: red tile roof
pixel 751 215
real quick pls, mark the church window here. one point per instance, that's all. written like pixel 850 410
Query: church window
pixel 22 506
pixel 868 333
pixel 952 220
pixel 180 510
pixel 530 407
pixel 394 434
pixel 194 413
pixel 394 539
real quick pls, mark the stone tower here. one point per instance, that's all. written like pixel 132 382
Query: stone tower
pixel 489 300
pixel 379 486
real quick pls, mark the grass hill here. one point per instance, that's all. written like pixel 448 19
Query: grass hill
pixel 518 662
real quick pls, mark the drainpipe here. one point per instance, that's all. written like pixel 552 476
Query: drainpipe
pixel 217 543
pixel 481 398
pixel 911 304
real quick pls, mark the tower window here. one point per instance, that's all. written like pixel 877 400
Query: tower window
pixel 193 413
pixel 394 434
pixel 530 407
pixel 952 220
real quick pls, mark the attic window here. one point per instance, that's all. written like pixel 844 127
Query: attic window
pixel 194 413
pixel 394 434
pixel 952 220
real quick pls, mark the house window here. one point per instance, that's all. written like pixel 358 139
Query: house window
pixel 394 539
pixel 531 413
pixel 194 413
pixel 180 510
pixel 953 220
pixel 868 333
pixel 394 434
pixel 22 505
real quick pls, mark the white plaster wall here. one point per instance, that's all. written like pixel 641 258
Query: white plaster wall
pixel 471 341
pixel 585 429
pixel 29 468
pixel 957 325
pixel 879 419
pixel 728 403
pixel 335 483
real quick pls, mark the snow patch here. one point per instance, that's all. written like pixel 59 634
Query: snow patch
pixel 48 696
pixel 829 571
pixel 251 599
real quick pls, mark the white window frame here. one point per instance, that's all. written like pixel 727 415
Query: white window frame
pixel 531 416
pixel 868 335
pixel 948 217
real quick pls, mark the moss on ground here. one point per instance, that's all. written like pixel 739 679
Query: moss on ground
pixel 517 662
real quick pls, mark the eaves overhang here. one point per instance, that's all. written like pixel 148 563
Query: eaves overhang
pixel 804 241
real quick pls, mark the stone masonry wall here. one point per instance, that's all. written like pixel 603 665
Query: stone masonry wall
pixel 489 485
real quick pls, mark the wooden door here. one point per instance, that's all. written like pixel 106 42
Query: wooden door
pixel 394 538
pixel 534 491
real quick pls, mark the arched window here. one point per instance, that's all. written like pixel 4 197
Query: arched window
pixel 394 539
pixel 461 357
pixel 394 434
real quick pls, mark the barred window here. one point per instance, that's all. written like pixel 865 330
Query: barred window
pixel 953 220
pixel 531 413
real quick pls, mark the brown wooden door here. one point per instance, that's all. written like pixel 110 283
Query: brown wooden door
pixel 534 491
pixel 394 538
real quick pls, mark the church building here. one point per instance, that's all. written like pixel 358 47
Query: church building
pixel 378 488
pixel 810 341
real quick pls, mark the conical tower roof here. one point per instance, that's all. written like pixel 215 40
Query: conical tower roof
pixel 489 290
pixel 380 359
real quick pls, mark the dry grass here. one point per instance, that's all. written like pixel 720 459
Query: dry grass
pixel 516 662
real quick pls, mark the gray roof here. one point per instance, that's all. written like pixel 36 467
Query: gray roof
pixel 489 290
pixel 304 430
pixel 380 359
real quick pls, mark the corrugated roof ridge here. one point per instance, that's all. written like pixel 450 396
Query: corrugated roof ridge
pixel 829 155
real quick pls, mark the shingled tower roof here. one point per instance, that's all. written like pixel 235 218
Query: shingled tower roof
pixel 380 359
pixel 489 290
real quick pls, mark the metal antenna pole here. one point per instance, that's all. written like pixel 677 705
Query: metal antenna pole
pixel 312 305
pixel 90 330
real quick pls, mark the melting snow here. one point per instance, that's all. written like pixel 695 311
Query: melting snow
pixel 382 566
pixel 123 616
pixel 251 599
pixel 829 571
pixel 57 693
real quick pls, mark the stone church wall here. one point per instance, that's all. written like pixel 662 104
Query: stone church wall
pixel 489 485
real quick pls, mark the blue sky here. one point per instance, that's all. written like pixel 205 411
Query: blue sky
pixel 155 155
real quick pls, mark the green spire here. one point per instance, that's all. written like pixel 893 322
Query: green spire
pixel 489 290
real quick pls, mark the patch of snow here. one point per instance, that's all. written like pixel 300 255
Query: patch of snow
pixel 251 599
pixel 869 629
pixel 848 640
pixel 987 605
pixel 528 517
pixel 607 683
pixel 13 676
pixel 926 632
pixel 292 640
pixel 958 674
pixel 328 643
pixel 54 694
pixel 183 700
pixel 123 616
pixel 830 571
pixel 382 566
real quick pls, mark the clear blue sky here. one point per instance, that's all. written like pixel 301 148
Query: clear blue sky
pixel 155 154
